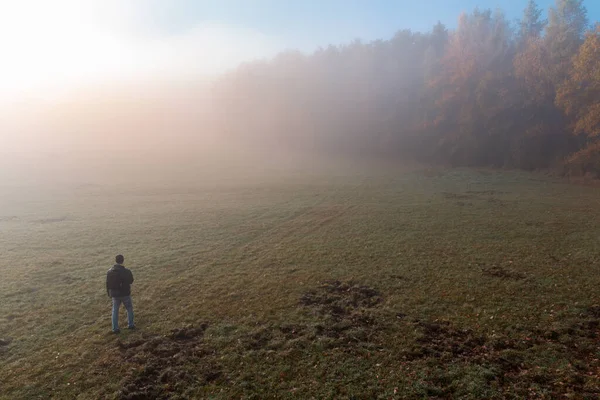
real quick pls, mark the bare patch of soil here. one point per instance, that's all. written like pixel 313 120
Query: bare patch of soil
pixel 166 365
pixel 503 273
pixel 511 359
pixel 345 319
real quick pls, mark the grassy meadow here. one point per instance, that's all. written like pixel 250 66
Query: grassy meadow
pixel 390 284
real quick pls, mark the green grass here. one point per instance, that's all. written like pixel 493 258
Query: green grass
pixel 450 284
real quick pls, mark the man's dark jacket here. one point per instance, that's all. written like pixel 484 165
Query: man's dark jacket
pixel 118 281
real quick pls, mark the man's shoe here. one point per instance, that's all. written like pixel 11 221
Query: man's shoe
pixel 116 331
pixel 131 328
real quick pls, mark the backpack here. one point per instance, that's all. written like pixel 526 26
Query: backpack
pixel 113 280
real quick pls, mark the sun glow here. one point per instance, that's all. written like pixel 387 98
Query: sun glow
pixel 54 44
pixel 49 46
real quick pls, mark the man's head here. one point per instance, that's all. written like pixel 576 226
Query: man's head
pixel 119 259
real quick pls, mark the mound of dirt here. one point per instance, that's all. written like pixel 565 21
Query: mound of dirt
pixel 166 365
pixel 346 313
pixel 337 298
pixel 593 311
pixel 4 345
pixel 441 340
pixel 510 358
pixel 503 273
pixel 459 196
pixel 345 320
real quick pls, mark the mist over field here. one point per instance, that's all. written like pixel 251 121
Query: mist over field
pixel 489 92
pixel 161 133
pixel 318 199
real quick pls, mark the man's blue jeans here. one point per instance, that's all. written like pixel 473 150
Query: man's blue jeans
pixel 126 300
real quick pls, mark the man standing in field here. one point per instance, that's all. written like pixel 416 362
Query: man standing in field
pixel 118 286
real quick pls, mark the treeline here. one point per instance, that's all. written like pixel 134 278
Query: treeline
pixel 489 93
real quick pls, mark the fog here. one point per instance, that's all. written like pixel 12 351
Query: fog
pixel 153 132
pixel 474 96
pixel 98 91
pixel 117 132
pixel 160 133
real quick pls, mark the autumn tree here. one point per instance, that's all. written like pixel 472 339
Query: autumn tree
pixel 531 25
pixel 472 84
pixel 541 66
pixel 579 95
pixel 482 94
pixel 567 23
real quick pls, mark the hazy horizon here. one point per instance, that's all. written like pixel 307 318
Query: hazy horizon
pixel 87 84
pixel 55 48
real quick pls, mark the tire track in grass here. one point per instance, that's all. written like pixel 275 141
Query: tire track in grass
pixel 305 220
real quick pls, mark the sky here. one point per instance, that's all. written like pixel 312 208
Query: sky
pixel 48 46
